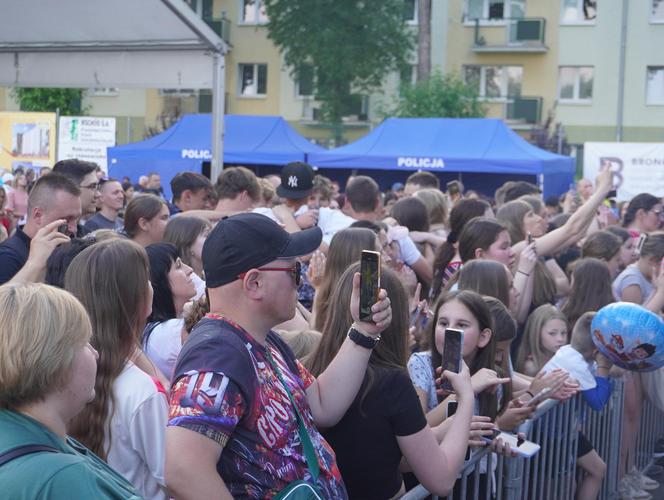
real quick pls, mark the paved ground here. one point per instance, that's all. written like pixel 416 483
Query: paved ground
pixel 658 494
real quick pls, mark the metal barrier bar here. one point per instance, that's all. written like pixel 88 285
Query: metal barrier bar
pixel 552 473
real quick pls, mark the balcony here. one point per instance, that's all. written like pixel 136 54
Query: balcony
pixel 221 26
pixel 524 109
pixel 524 35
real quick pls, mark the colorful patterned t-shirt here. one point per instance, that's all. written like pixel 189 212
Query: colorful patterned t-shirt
pixel 225 388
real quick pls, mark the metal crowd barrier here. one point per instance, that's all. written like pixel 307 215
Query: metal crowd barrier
pixel 552 473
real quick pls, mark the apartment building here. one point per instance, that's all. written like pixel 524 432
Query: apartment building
pixel 528 59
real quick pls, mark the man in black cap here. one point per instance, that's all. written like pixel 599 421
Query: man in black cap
pixel 297 185
pixel 235 380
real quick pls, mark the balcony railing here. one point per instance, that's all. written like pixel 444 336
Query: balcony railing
pixel 527 109
pixel 221 26
pixel 510 35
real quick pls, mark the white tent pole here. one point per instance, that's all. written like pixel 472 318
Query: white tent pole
pixel 218 94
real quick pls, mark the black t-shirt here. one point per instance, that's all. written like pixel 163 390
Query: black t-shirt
pixel 13 255
pixel 365 440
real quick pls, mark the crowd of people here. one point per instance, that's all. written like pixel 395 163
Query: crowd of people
pixel 211 346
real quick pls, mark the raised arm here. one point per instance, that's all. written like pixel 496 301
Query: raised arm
pixel 577 225
pixel 334 390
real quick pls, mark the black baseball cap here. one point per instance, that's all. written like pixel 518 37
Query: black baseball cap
pixel 297 181
pixel 247 241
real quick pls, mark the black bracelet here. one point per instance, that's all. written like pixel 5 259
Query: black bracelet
pixel 361 339
pixel 520 271
pixel 530 394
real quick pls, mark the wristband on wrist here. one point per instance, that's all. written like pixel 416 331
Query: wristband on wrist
pixel 361 338
pixel 530 394
pixel 520 271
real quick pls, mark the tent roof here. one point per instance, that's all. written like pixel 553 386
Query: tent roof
pixel 251 140
pixel 445 145
pixel 101 43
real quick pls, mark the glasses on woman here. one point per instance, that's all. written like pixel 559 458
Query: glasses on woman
pixel 296 272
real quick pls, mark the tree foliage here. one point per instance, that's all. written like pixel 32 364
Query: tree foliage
pixel 67 101
pixel 438 96
pixel 351 45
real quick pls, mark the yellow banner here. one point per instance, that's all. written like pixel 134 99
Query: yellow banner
pixel 27 139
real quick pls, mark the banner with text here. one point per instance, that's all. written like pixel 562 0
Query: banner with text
pixel 638 167
pixel 26 140
pixel 86 138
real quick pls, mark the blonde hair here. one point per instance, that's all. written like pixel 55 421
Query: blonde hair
pixel 436 204
pixel 41 330
pixel 532 337
pixel 582 340
pixel 302 343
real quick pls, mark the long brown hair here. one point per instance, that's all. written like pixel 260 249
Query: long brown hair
pixel 111 281
pixel 486 277
pixel 345 248
pixel 504 329
pixel 390 352
pixel 485 356
pixel 591 289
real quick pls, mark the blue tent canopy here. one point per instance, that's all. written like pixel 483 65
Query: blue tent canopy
pixel 248 140
pixel 451 145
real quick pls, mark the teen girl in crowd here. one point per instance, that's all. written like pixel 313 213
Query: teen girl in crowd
pixel 386 423
pixel 188 234
pixel 172 287
pixel 145 219
pixel 643 215
pixel 447 260
pixel 345 248
pixel 591 289
pixel 628 247
pixel 546 331
pixel 47 377
pixel 607 247
pixel 126 421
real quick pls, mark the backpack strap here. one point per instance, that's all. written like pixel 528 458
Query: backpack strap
pixel 25 449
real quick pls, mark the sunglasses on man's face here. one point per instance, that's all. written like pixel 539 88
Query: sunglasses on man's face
pixel 296 271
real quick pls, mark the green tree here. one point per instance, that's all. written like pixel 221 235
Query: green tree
pixel 67 101
pixel 351 46
pixel 438 96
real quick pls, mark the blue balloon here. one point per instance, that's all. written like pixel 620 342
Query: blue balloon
pixel 631 336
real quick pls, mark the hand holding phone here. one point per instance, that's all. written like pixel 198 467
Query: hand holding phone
pixel 518 445
pixel 369 283
pixel 539 397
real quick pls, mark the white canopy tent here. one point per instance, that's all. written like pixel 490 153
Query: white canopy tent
pixel 116 43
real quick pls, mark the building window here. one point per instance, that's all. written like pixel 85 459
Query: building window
pixel 657 12
pixel 253 80
pixel 487 9
pixel 410 11
pixel 575 84
pixel 494 82
pixel 578 11
pixel 253 12
pixel 304 86
pixel 655 85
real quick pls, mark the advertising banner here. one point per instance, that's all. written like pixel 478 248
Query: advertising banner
pixel 86 138
pixel 27 140
pixel 638 166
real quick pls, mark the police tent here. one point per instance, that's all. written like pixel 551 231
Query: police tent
pixel 248 140
pixel 481 152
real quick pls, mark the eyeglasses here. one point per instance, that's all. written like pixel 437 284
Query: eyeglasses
pixel 93 187
pixel 296 271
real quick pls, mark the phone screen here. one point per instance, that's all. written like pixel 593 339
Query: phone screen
pixel 451 354
pixel 369 282
pixel 64 229
pixel 522 447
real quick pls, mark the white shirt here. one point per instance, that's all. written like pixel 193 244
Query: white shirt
pixel 164 345
pixel 137 426
pixel 570 360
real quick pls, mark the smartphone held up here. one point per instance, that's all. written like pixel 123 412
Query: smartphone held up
pixel 369 282
pixel 452 351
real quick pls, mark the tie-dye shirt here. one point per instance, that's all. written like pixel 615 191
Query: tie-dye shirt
pixel 225 388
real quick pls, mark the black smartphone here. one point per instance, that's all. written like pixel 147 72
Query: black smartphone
pixel 530 238
pixel 369 282
pixel 64 229
pixel 452 349
pixel 611 194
